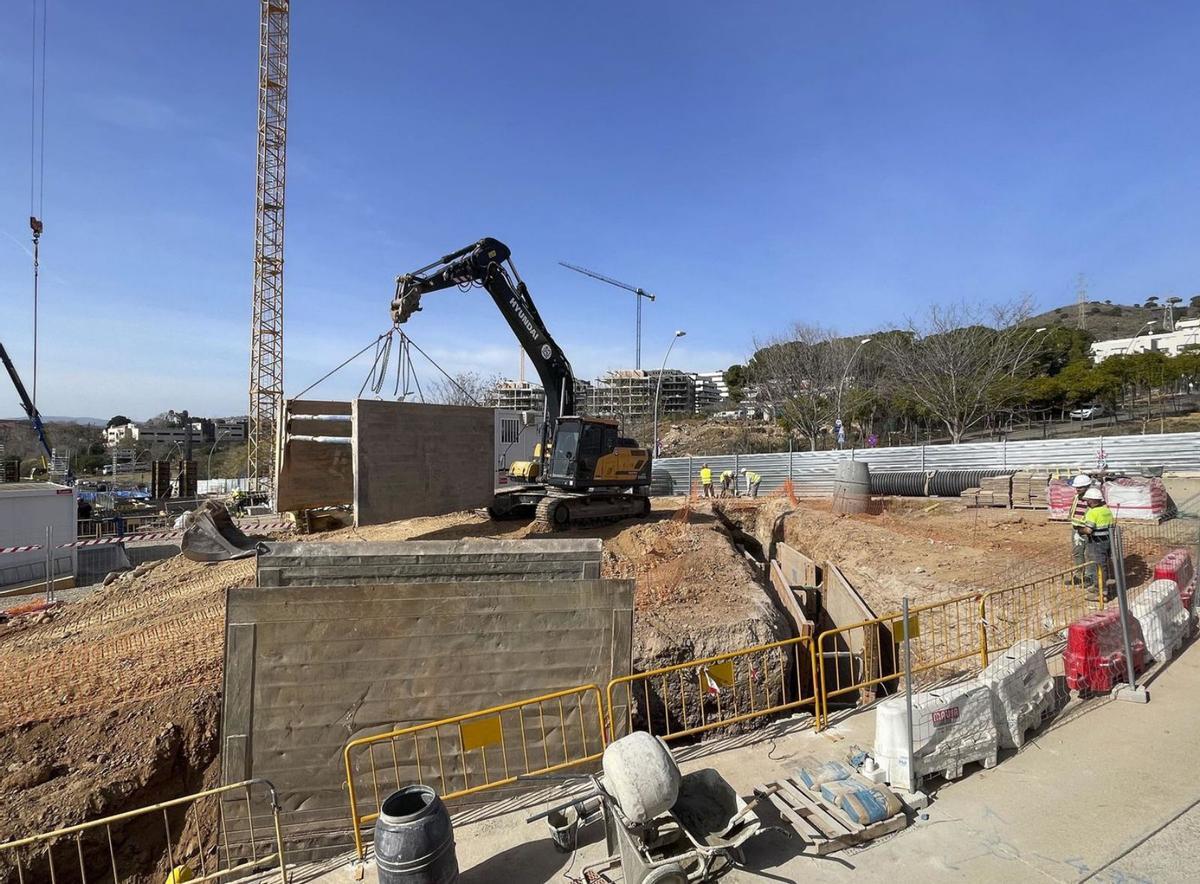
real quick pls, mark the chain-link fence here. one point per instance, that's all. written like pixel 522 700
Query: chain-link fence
pixel 1051 649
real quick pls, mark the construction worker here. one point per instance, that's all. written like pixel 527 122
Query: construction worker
pixel 752 482
pixel 1097 528
pixel 1081 484
pixel 706 489
pixel 728 484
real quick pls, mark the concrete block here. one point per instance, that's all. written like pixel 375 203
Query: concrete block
pixel 420 460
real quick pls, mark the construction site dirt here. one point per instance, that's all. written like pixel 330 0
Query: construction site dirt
pixel 111 702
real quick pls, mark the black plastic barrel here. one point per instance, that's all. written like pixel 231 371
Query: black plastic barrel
pixel 414 840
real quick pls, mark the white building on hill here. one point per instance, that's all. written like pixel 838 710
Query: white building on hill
pixel 1185 336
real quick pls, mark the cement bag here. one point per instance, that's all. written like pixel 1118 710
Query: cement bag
pixel 641 775
pixel 815 774
pixel 862 803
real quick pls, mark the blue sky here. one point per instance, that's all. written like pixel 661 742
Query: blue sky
pixel 753 164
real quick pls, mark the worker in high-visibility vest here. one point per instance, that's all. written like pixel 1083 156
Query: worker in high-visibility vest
pixel 752 482
pixel 706 489
pixel 1097 527
pixel 728 483
pixel 1079 508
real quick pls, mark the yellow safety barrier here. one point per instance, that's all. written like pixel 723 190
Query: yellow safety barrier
pixel 480 750
pixel 1034 610
pixel 860 656
pixel 690 698
pixel 89 847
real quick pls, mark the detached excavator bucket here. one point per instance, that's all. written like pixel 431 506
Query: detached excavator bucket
pixel 210 535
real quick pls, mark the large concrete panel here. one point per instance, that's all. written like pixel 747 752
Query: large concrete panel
pixel 413 459
pixel 314 474
pixel 309 668
pixel 313 564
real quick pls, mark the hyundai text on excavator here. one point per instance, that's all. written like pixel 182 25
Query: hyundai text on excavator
pixel 584 468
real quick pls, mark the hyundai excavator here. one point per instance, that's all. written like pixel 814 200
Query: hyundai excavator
pixel 585 470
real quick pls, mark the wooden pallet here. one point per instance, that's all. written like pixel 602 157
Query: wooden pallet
pixel 823 824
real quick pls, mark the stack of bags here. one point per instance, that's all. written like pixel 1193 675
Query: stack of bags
pixel 1029 490
pixel 1060 496
pixel 1137 498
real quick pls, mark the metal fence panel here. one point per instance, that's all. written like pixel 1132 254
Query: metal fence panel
pixel 813 472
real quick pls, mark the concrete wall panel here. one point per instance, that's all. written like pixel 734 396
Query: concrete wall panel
pixel 412 459
pixel 313 564
pixel 309 668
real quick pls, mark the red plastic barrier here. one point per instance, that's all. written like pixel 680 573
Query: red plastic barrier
pixel 1095 656
pixel 1177 565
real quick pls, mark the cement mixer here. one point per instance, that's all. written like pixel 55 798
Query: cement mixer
pixel 210 535
pixel 664 827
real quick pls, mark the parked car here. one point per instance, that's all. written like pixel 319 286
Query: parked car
pixel 1087 413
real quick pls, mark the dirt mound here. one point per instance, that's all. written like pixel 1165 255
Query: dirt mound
pixel 696 594
pixel 112 703
pixel 929 549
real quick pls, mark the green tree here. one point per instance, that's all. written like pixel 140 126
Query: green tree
pixel 118 420
pixel 736 379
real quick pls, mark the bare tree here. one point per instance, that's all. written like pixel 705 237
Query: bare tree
pixel 802 374
pixel 961 362
pixel 463 388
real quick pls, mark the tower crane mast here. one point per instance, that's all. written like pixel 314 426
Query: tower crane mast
pixel 266 328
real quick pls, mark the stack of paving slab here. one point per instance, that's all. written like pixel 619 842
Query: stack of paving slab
pixel 992 491
pixel 1029 490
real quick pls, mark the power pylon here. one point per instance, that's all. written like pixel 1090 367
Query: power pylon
pixel 266 329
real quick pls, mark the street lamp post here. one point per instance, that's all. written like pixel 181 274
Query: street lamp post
pixel 658 388
pixel 1126 352
pixel 1138 332
pixel 846 372
pixel 1021 352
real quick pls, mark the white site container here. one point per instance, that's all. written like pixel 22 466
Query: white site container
pixel 1022 691
pixel 1164 622
pixel 953 727
pixel 26 509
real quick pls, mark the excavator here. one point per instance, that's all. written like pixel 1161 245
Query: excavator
pixel 584 470
pixel 35 417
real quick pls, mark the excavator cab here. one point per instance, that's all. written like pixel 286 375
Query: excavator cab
pixel 590 453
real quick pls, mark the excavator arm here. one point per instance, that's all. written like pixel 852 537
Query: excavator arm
pixel 488 263
pixel 27 404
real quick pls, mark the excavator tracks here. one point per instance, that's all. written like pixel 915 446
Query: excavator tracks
pixel 557 510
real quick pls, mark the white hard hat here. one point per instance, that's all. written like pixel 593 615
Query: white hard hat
pixel 1093 494
pixel 742 470
pixel 1082 481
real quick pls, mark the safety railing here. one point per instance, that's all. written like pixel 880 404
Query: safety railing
pixel 852 661
pixel 701 695
pixel 477 751
pixel 244 841
pixel 1036 610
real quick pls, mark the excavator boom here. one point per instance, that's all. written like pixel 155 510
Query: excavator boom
pixel 27 404
pixel 489 263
